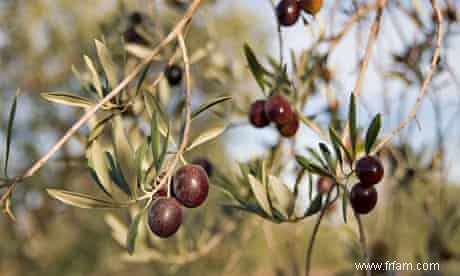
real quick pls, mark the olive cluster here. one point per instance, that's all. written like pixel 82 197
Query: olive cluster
pixel 190 187
pixel 288 11
pixel 363 196
pixel 276 109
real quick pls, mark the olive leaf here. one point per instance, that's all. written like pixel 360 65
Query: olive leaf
pixel 352 119
pixel 327 155
pixel 164 149
pixel 96 179
pixel 83 200
pixel 68 99
pixel 94 76
pixel 283 198
pixel 311 167
pixel 9 131
pixel 124 154
pixel 257 70
pixel 141 52
pixel 117 175
pixel 260 193
pixel 140 156
pixel 100 167
pixel 152 105
pixel 206 136
pixel 315 155
pixel 142 77
pixel 373 132
pixel 337 149
pixel 132 232
pixel 155 143
pixel 208 105
pixel 315 206
pixel 110 69
pixel 337 142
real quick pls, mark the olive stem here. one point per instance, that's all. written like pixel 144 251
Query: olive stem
pixel 314 234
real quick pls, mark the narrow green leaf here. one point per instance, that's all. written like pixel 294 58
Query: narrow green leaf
pixel 80 78
pixel 336 140
pixel 208 105
pixel 152 105
pixel 132 232
pixel 94 76
pixel 327 155
pixel 124 154
pixel 140 156
pixel 164 149
pixel 116 174
pixel 110 69
pixel 256 68
pixel 142 77
pixel 315 206
pixel 155 144
pixel 337 149
pixel 373 132
pixel 9 131
pixel 206 136
pixel 250 208
pixel 260 193
pixel 304 162
pixel 96 179
pixel 68 99
pixel 315 155
pixel 282 198
pixel 309 166
pixel 100 166
pixel 98 128
pixel 83 200
pixel 352 118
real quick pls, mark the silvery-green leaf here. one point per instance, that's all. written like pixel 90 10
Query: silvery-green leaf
pixel 80 78
pixel 155 137
pixel 353 124
pixel 116 175
pixel 315 206
pixel 9 131
pixel 206 136
pixel 110 69
pixel 373 132
pixel 257 70
pixel 124 154
pixel 83 200
pixel 140 51
pixel 152 105
pixel 140 156
pixel 283 198
pixel 208 105
pixel 68 99
pixel 94 76
pixel 142 77
pixel 98 159
pixel 132 232
pixel 260 193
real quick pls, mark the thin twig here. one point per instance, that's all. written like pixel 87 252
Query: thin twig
pixel 314 234
pixel 426 82
pixel 188 116
pixel 365 62
pixel 363 242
